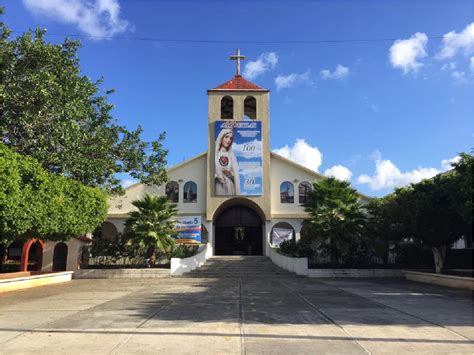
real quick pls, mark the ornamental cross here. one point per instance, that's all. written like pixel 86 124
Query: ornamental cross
pixel 237 57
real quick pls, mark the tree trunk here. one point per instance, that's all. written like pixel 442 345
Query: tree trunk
pixel 439 254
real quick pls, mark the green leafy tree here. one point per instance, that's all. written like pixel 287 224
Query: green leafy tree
pixel 35 203
pixel 462 191
pixel 50 111
pixel 438 211
pixel 336 215
pixel 383 226
pixel 152 225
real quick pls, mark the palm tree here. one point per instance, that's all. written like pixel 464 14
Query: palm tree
pixel 152 225
pixel 336 215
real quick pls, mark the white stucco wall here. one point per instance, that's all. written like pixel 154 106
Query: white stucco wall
pixel 191 170
pixel 73 249
pixel 284 170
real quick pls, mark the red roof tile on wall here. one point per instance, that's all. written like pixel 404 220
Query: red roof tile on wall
pixel 239 83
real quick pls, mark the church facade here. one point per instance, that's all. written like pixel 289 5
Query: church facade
pixel 245 198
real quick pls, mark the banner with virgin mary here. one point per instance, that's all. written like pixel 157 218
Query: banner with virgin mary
pixel 238 158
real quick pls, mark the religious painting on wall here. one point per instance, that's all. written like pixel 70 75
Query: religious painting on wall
pixel 188 230
pixel 190 192
pixel 238 158
pixel 172 191
pixel 279 235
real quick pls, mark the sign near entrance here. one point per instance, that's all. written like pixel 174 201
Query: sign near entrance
pixel 189 230
pixel 238 158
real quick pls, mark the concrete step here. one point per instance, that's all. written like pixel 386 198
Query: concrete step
pixel 239 267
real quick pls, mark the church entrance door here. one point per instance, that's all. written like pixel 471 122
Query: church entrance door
pixel 238 231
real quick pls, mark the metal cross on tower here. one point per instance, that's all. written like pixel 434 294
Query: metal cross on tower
pixel 237 57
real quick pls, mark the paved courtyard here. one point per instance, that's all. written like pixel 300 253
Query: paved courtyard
pixel 184 315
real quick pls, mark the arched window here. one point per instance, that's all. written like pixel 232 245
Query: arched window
pixel 108 231
pixel 172 191
pixel 282 231
pixel 227 108
pixel 303 189
pixel 287 193
pixel 190 192
pixel 250 107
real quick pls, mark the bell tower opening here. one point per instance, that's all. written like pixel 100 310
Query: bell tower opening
pixel 227 108
pixel 250 108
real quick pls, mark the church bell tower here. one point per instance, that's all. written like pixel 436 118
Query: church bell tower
pixel 238 145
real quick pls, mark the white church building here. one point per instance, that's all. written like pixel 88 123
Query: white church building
pixel 244 197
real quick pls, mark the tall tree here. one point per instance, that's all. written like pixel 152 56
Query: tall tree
pixel 336 215
pixel 52 112
pixel 383 226
pixel 152 224
pixel 438 211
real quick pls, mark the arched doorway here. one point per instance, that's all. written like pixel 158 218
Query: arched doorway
pixel 32 255
pixel 238 231
pixel 60 257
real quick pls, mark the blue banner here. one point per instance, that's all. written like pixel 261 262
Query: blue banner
pixel 238 158
pixel 189 230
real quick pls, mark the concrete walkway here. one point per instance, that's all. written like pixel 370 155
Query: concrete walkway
pixel 237 315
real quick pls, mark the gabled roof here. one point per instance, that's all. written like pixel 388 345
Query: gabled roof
pixel 238 83
pixel 174 167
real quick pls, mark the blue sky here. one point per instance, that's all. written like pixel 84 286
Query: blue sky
pixel 385 113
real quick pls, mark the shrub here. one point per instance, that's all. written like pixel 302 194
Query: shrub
pixel 296 249
pixel 184 251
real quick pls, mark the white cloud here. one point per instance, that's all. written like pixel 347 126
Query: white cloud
pixel 405 54
pixel 458 75
pixel 449 66
pixel 339 73
pixel 128 182
pixel 446 163
pixel 302 153
pixel 471 66
pixel 339 172
pixel 264 63
pixel 372 106
pixel 387 175
pixel 454 42
pixel 99 18
pixel 293 79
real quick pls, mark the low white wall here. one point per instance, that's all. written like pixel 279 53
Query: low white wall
pixel 331 273
pixel 443 280
pixel 300 267
pixel 180 266
pixel 34 281
pixel 297 265
pixel 121 273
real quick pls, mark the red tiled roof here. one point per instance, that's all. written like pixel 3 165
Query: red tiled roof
pixel 238 83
